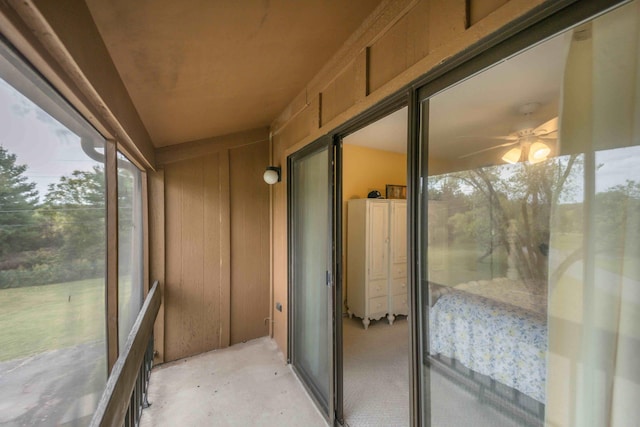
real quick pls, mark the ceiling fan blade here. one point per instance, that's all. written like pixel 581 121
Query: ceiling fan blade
pixel 504 138
pixel 506 144
pixel 500 137
pixel 547 127
pixel 548 138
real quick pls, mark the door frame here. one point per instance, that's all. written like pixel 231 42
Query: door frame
pixel 533 27
pixel 380 111
pixel 325 142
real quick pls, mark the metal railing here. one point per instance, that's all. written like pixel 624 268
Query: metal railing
pixel 125 395
pixel 138 400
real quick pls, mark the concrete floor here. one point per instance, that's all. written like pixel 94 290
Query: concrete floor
pixel 247 384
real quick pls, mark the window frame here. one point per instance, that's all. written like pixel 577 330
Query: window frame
pixel 26 79
pixel 533 29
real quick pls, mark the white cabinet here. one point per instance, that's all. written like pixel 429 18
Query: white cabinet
pixel 376 259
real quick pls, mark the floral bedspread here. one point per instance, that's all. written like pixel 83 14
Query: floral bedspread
pixel 503 341
pixel 530 296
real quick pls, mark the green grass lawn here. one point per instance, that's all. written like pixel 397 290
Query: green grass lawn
pixel 625 266
pixel 40 318
pixel 459 263
pixel 612 262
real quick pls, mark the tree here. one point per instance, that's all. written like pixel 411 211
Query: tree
pixel 76 205
pixel 525 193
pixel 616 219
pixel 19 227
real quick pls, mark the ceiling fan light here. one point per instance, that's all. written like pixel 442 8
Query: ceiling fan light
pixel 512 156
pixel 538 152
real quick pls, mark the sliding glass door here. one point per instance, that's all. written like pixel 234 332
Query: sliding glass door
pixel 529 288
pixel 311 290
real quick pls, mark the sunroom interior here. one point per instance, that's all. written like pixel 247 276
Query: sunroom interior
pixel 137 229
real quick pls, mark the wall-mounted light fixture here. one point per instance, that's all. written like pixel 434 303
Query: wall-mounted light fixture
pixel 272 175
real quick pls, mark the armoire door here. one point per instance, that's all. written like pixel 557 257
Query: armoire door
pixel 399 232
pixel 378 245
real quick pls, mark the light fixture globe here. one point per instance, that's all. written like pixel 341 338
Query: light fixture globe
pixel 271 175
pixel 512 156
pixel 538 152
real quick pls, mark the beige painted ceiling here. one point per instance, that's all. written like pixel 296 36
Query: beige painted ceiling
pixel 201 68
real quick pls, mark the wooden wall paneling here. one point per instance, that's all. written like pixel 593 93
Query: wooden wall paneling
pixel 304 123
pixel 479 9
pixel 420 37
pixel 157 253
pixel 197 291
pixel 298 103
pixel 192 242
pixel 197 288
pixel 249 243
pixel 361 75
pixel 225 251
pixel 211 313
pixel 111 171
pixel 173 245
pixel 387 55
pixel 203 147
pixel 340 94
pixel 447 19
pixel 328 101
pixel 406 42
pixel 380 19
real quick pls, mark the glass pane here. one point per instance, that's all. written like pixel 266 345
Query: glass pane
pixel 53 365
pixel 311 237
pixel 130 262
pixel 530 284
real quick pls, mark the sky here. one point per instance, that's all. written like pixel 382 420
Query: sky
pixel 47 147
pixel 614 167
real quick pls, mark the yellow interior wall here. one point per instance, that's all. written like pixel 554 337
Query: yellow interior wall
pixel 365 169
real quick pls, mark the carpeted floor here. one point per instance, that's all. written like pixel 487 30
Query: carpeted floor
pixel 376 373
pixel 376 383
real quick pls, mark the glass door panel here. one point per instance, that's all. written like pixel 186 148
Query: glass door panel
pixel 529 280
pixel 311 300
pixel 53 342
pixel 130 251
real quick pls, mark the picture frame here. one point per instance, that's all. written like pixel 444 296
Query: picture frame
pixel 396 191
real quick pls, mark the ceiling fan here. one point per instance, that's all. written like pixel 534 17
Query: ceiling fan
pixel 532 142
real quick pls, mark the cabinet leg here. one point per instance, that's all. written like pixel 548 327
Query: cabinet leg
pixel 366 322
pixel 391 318
pixel 350 314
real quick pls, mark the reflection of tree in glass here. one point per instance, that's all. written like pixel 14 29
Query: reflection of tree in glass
pixel 616 219
pixel 482 201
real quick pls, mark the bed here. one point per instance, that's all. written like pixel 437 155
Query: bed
pixel 496 328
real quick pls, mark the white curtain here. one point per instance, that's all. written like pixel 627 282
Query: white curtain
pixel 593 376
